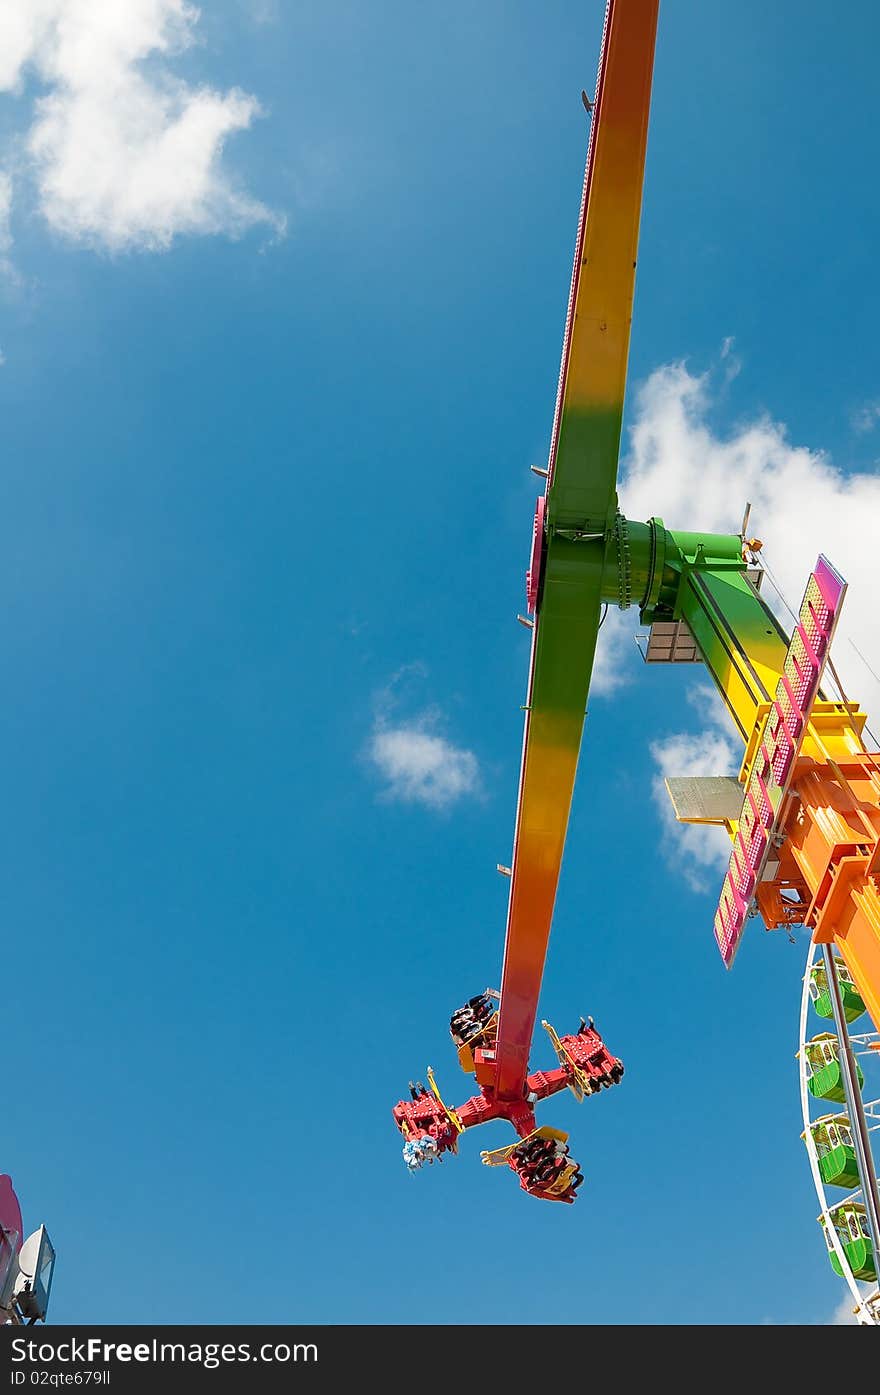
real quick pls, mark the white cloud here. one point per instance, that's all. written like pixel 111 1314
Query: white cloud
pixel 421 767
pixel 732 364
pixel 863 419
pixel 125 155
pixel 843 1315
pixel 681 469
pixel 263 11
pixel 614 650
pixel 7 269
pixel 802 505
pixel 417 763
pixel 698 849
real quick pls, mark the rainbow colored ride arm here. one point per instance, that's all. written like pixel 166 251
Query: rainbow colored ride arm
pixel 575 528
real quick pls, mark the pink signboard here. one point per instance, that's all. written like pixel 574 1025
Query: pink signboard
pixel 533 575
pixel 10 1229
pixel 778 746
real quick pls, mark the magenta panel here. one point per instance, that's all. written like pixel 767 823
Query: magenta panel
pixel 10 1211
pixel 536 561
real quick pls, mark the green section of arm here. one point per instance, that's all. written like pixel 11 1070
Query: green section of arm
pixel 669 575
pixel 738 638
pixel 565 643
pixel 569 624
pixel 701 578
pixel 583 491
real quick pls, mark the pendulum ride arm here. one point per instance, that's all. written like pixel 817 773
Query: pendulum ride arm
pixel 821 817
pixel 577 513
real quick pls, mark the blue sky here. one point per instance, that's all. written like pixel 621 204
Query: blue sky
pixel 265 504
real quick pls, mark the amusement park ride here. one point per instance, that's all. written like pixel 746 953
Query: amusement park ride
pixel 804 813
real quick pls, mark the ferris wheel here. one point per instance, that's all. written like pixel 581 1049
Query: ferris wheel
pixel 842 1068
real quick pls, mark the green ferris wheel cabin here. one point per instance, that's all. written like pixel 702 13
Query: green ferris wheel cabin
pixel 824 1075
